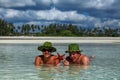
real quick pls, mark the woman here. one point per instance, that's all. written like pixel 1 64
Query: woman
pixel 48 57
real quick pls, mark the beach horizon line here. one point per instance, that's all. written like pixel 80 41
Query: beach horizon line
pixel 32 39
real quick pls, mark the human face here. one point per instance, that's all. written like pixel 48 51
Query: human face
pixel 46 52
pixel 73 55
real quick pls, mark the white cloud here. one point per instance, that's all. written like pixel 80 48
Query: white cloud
pixel 54 14
pixel 11 13
pixel 99 4
pixel 49 1
pixel 112 22
pixel 16 3
pixel 46 2
pixel 34 22
pixel 40 22
pixel 51 15
pixel 109 23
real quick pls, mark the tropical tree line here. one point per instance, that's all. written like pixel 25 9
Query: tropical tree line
pixel 8 29
pixel 73 30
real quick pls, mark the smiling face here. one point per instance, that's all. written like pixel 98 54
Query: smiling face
pixel 74 55
pixel 46 52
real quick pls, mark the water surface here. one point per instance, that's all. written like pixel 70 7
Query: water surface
pixel 17 63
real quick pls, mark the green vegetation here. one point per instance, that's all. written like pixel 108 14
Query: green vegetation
pixel 8 29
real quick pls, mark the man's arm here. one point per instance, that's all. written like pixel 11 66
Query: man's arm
pixel 58 61
pixel 65 62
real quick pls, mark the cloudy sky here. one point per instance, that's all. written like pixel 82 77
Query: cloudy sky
pixel 95 13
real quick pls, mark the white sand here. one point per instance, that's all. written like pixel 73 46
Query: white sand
pixel 25 39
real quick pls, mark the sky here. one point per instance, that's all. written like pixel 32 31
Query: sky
pixel 87 13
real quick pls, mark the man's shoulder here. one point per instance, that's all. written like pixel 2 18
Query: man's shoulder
pixel 84 56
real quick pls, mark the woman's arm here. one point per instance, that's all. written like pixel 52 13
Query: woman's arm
pixel 38 61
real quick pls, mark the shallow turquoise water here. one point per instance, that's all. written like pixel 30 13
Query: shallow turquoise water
pixel 17 63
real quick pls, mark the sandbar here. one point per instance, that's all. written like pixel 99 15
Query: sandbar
pixel 27 39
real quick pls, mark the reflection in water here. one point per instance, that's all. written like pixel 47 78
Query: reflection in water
pixel 49 72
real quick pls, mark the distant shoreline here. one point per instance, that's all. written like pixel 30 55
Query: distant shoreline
pixel 27 39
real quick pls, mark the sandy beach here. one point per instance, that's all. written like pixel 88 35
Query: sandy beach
pixel 26 39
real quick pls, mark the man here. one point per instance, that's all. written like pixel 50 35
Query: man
pixel 47 57
pixel 75 56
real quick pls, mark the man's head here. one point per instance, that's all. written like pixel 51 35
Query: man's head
pixel 47 48
pixel 73 48
pixel 74 51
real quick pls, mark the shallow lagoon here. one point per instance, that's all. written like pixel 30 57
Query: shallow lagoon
pixel 17 63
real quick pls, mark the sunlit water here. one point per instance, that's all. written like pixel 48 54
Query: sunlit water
pixel 17 63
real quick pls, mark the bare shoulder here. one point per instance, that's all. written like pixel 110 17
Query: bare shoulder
pixel 85 59
pixel 38 58
pixel 53 57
